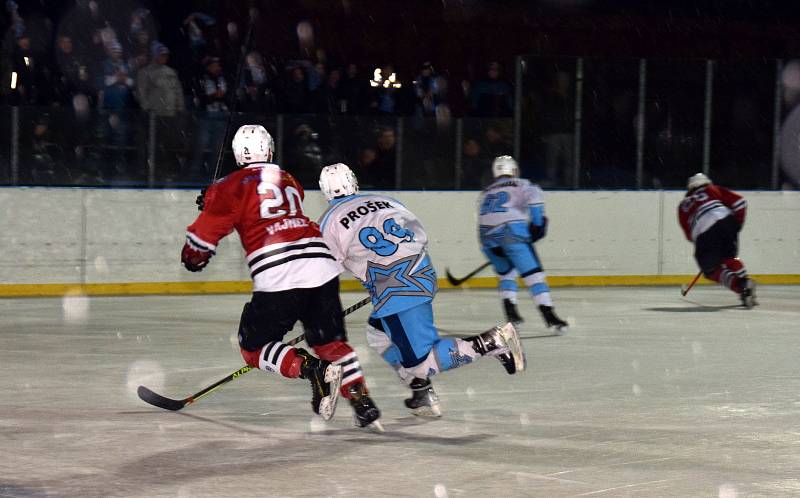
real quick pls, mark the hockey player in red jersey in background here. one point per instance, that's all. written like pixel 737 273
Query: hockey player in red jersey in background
pixel 295 277
pixel 712 216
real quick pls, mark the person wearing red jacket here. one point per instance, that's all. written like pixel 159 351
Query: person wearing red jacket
pixel 711 216
pixel 295 276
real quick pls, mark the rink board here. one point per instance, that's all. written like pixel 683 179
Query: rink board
pixel 127 241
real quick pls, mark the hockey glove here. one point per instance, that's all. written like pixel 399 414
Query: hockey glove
pixel 194 259
pixel 538 232
pixel 201 199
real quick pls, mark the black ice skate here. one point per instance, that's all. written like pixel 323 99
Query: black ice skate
pixel 748 293
pixel 423 400
pixel 511 312
pixel 325 378
pixel 502 343
pixel 552 320
pixel 365 413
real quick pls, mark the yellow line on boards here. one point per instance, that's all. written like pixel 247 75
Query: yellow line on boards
pixel 243 287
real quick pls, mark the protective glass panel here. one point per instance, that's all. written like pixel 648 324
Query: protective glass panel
pixel 6 120
pixel 789 140
pixel 674 122
pixel 482 141
pixel 60 147
pixel 742 123
pixel 548 121
pixel 428 153
pixel 608 131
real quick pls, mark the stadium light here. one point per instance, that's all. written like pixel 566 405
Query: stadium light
pixel 13 80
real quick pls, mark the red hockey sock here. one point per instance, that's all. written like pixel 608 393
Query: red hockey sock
pixel 340 353
pixel 714 275
pixel 733 274
pixel 275 357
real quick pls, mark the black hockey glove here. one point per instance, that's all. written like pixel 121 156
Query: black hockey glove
pixel 201 199
pixel 538 233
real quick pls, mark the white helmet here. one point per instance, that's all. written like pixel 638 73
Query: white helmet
pixel 252 144
pixel 698 180
pixel 505 166
pixel 337 180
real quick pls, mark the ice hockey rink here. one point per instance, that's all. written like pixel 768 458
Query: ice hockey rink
pixel 649 394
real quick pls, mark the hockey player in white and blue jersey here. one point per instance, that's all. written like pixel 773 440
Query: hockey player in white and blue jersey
pixel 511 220
pixel 383 244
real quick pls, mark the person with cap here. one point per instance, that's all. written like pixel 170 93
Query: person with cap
pixel 158 88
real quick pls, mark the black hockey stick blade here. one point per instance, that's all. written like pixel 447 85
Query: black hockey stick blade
pixel 455 282
pixel 160 401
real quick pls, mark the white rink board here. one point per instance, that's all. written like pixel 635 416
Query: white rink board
pixel 63 235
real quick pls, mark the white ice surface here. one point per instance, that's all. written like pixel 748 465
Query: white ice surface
pixel 647 395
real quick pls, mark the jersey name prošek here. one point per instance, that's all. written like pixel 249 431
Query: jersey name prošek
pixel 264 204
pixel 384 245
pixel 704 206
pixel 505 208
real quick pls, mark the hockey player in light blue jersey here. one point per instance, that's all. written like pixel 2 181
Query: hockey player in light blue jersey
pixel 511 220
pixel 383 244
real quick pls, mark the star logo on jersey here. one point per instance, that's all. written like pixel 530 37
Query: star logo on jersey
pixel 397 279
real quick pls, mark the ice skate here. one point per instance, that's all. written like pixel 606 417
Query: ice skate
pixel 326 379
pixel 502 343
pixel 511 312
pixel 365 413
pixel 423 400
pixel 748 293
pixel 552 320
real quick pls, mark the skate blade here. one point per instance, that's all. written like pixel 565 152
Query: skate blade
pixel 377 426
pixel 559 330
pixel 434 411
pixel 511 336
pixel 333 377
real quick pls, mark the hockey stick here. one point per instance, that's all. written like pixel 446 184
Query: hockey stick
pixel 685 288
pixel 234 93
pixel 455 282
pixel 174 405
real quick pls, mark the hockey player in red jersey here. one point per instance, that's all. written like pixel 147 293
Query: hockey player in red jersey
pixel 295 277
pixel 712 216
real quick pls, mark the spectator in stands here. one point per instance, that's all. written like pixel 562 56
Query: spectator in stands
pixel 498 139
pixel 46 161
pixel 425 88
pixel 355 92
pixel 29 86
pixel 554 114
pixel 296 97
pixel 328 98
pixel 195 25
pixel 68 72
pixel 157 85
pixel 256 94
pixel 377 164
pixel 491 97
pixel 385 86
pixel 117 80
pixel 139 52
pixel 116 98
pixel 212 94
pixel 475 165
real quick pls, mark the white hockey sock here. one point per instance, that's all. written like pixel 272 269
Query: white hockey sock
pixel 537 284
pixel 271 356
pixel 510 295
